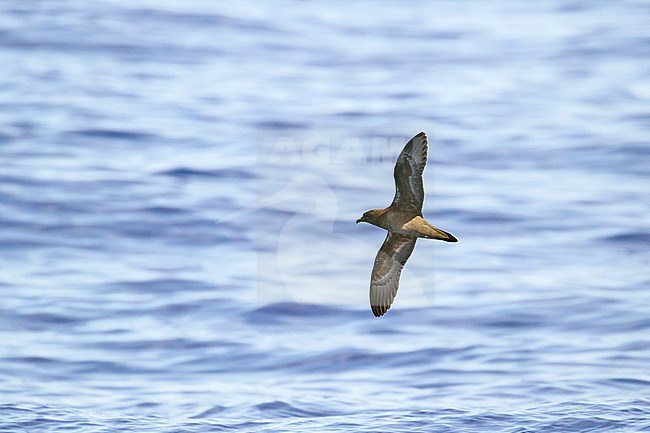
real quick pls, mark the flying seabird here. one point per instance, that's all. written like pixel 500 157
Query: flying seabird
pixel 404 222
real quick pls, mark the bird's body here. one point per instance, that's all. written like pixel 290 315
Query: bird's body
pixel 404 221
pixel 406 224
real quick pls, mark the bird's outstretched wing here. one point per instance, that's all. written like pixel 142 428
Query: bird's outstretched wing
pixel 409 189
pixel 389 262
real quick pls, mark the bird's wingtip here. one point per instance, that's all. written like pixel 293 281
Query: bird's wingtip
pixel 378 310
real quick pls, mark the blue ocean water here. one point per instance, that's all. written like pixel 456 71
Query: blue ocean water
pixel 179 183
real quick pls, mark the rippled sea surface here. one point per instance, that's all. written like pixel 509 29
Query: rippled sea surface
pixel 179 183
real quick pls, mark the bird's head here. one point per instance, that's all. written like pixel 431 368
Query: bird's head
pixel 370 216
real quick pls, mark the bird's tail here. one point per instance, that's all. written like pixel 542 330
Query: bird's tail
pixel 431 232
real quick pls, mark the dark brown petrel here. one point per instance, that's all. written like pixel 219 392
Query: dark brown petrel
pixel 404 222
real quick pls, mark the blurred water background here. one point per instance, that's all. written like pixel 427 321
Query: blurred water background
pixel 179 182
